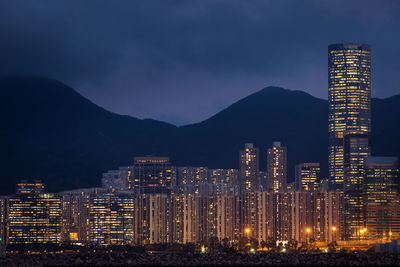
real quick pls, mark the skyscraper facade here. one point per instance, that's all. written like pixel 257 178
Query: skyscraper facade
pixel 382 207
pixel 75 216
pixel 34 216
pixel 192 175
pixel 249 169
pixel 307 176
pixel 111 219
pixel 349 97
pixel 356 148
pixel 152 175
pixel 277 167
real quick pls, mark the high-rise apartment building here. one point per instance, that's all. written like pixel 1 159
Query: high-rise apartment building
pixel 152 219
pixel 307 176
pixel 153 175
pixel 226 176
pixel 249 169
pixel 356 147
pixel 277 167
pixel 75 216
pixel 299 215
pixel 192 175
pixel 185 217
pixel 349 97
pixel 382 206
pixel 34 216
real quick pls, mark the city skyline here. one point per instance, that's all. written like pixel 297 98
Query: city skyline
pixel 205 132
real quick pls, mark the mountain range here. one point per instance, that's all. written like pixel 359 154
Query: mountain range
pixel 48 131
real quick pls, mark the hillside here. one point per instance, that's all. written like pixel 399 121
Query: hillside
pixel 51 132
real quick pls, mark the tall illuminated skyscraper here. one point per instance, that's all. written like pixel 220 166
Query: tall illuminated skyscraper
pixel 349 97
pixel 277 167
pixel 249 169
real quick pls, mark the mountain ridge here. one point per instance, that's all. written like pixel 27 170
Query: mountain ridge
pixel 67 141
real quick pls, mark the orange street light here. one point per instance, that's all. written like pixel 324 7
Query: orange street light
pixel 308 230
pixel 333 232
pixel 247 230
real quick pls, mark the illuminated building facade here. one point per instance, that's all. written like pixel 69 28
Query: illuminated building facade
pixel 302 216
pixel 356 148
pixel 349 98
pixel 30 187
pixel 75 215
pixel 382 206
pixel 250 213
pixel 185 217
pixel 287 215
pixel 111 219
pixel 266 212
pixel 192 175
pixel 307 176
pixel 229 216
pixel 211 213
pixel 277 167
pixel 283 208
pixel 226 176
pixel 153 175
pixel 249 169
pixel 34 216
pixel 152 219
pixel 324 209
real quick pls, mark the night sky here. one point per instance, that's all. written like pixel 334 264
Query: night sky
pixel 183 61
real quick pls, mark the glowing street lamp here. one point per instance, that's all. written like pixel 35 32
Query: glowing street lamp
pixel 362 231
pixel 308 231
pixel 333 232
pixel 247 230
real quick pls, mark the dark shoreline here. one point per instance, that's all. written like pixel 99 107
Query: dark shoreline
pixel 207 259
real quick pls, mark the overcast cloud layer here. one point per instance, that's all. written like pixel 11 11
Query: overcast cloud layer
pixel 182 61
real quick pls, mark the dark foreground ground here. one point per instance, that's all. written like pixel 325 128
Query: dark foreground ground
pixel 187 259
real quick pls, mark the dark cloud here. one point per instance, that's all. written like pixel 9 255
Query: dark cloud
pixel 184 60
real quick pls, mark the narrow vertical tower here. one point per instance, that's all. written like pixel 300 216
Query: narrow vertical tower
pixel 349 97
pixel 356 149
pixel 277 167
pixel 249 169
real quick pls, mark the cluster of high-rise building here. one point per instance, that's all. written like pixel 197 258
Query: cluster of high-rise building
pixel 153 201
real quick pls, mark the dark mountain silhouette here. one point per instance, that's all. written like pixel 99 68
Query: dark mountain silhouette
pixel 50 132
